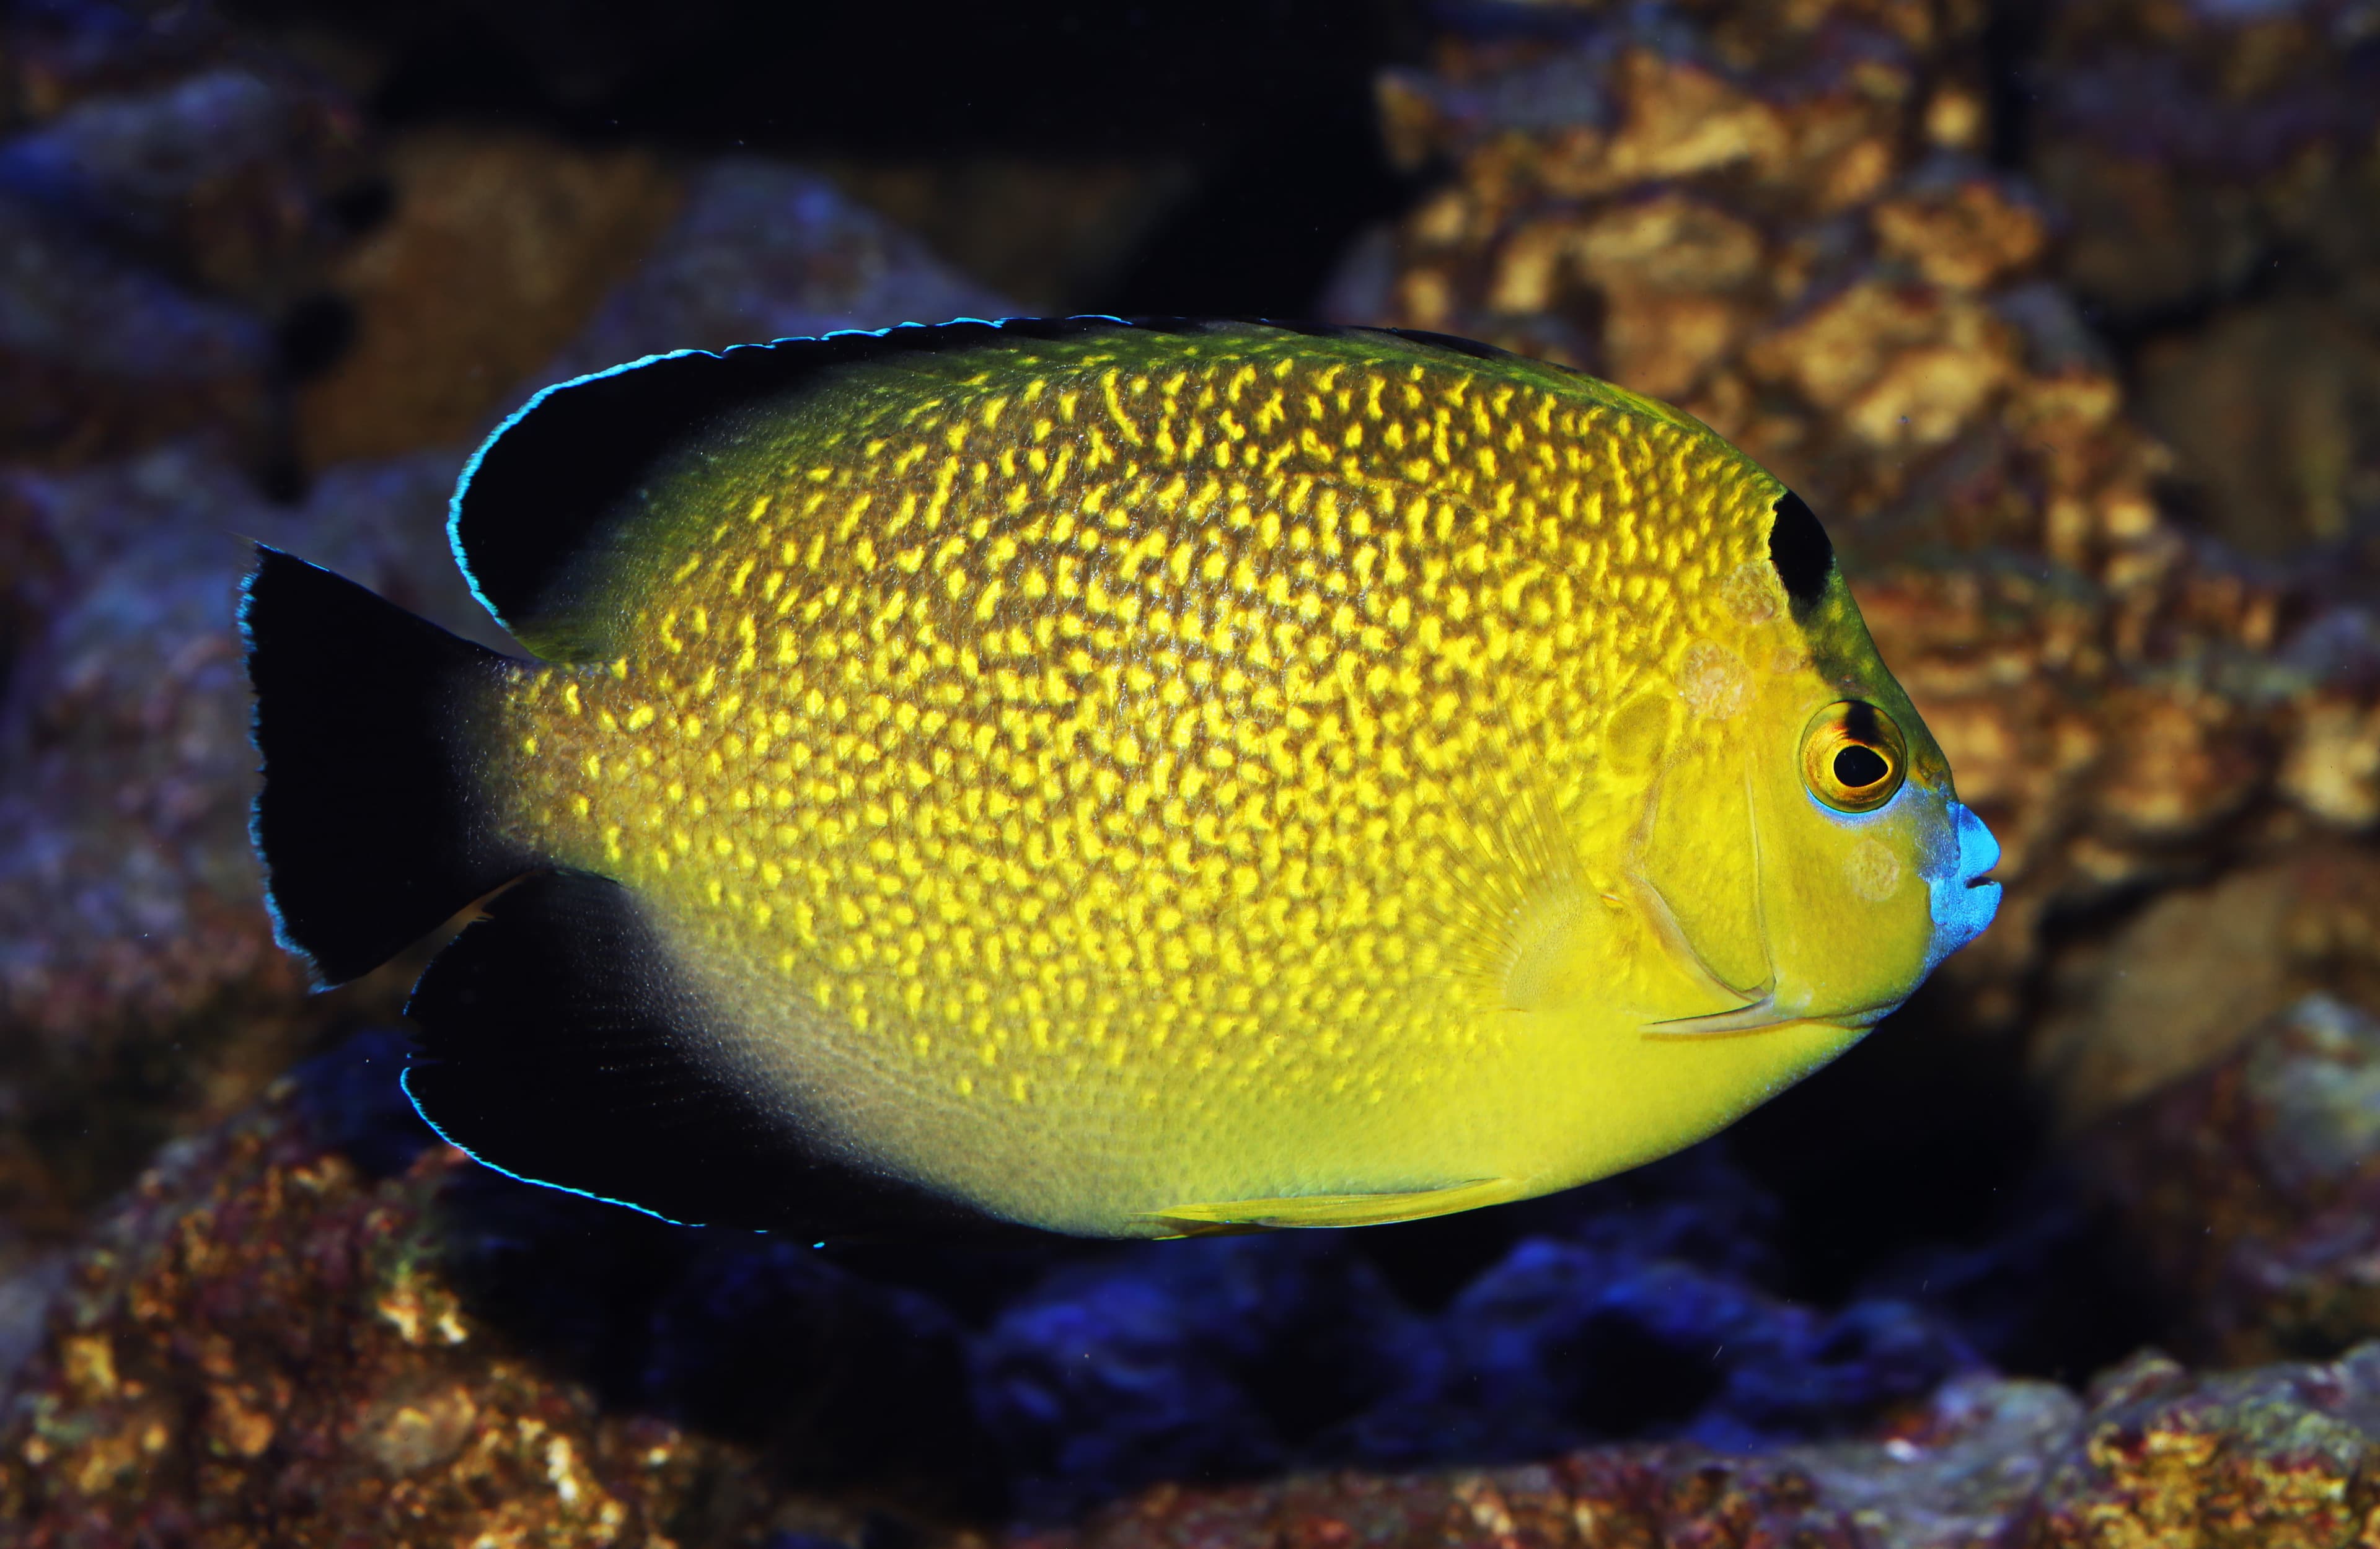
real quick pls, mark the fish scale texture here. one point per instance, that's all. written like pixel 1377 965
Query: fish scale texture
pixel 1079 724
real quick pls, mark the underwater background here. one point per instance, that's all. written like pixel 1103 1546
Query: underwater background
pixel 2064 314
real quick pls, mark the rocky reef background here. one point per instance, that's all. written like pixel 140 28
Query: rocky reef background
pixel 2064 313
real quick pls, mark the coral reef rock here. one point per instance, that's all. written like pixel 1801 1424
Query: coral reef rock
pixel 511 263
pixel 2215 173
pixel 1775 222
pixel 98 355
pixel 227 179
pixel 2277 1455
pixel 497 248
pixel 257 1349
pixel 2193 972
pixel 2253 1187
pixel 169 203
pixel 1631 1308
pixel 139 977
pixel 760 251
pixel 166 236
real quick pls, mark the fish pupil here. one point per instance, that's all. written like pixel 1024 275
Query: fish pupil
pixel 1857 767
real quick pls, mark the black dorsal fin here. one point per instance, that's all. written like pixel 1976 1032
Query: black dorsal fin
pixel 542 503
pixel 560 480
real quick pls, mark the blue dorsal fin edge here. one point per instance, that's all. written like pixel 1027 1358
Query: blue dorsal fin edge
pixel 560 478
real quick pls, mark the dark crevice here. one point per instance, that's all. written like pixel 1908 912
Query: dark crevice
pixel 2012 41
pixel 1268 103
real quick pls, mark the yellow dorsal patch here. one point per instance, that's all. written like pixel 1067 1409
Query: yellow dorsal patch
pixel 1340 1210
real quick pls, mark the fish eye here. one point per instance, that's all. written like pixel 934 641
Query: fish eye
pixel 1852 756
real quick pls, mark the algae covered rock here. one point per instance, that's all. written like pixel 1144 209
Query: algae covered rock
pixel 2284 1456
pixel 2277 1456
pixel 2254 1186
pixel 141 989
pixel 256 1347
pixel 2216 172
pixel 315 1302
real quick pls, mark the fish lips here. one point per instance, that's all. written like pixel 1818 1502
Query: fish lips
pixel 1965 900
pixel 1765 1013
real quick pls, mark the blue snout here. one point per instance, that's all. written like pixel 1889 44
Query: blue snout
pixel 1962 902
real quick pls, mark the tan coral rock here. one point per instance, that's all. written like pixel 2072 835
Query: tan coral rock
pixel 2332 765
pixel 2185 981
pixel 1966 235
pixel 2281 1458
pixel 1886 380
pixel 257 1348
pixel 1901 368
pixel 2273 411
pixel 499 247
pixel 2216 172
pixel 2196 973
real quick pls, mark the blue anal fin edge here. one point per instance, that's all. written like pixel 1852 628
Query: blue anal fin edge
pixel 556 1042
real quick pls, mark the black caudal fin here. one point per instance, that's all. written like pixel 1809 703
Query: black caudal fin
pixel 370 824
pixel 558 1043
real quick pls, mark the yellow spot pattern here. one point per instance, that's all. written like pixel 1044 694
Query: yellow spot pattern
pixel 1106 727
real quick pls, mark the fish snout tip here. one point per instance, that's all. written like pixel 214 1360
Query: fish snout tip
pixel 1978 850
pixel 1966 901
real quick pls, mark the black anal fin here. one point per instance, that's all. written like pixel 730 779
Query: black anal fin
pixel 557 1042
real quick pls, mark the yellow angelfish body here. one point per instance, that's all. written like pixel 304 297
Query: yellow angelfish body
pixel 1135 780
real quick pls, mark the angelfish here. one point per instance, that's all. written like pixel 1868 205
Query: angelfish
pixel 1125 779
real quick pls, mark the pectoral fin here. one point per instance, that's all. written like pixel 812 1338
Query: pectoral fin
pixel 1337 1210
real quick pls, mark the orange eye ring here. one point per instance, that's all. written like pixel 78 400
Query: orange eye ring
pixel 1853 759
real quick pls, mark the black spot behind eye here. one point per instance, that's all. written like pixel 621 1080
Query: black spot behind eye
pixel 1799 549
pixel 1859 767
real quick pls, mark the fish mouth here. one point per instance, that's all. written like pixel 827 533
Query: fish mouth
pixel 1966 900
pixel 1764 1015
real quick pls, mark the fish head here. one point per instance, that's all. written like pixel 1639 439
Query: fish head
pixel 1804 853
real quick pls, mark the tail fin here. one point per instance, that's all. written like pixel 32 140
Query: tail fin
pixel 372 823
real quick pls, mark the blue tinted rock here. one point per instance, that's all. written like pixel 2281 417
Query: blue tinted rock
pixel 1216 1356
pixel 221 177
pixel 55 53
pixel 98 354
pixel 1561 1344
pixel 141 989
pixel 772 1343
pixel 350 1099
pixel 1699 1207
